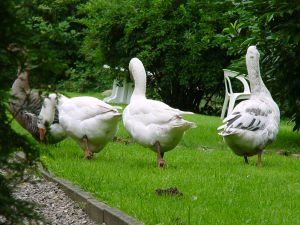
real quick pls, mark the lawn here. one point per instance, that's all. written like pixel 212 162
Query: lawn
pixel 216 186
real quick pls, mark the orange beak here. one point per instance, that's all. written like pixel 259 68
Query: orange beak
pixel 42 132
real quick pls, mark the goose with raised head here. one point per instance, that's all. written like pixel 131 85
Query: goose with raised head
pixel 89 121
pixel 254 123
pixel 25 106
pixel 151 123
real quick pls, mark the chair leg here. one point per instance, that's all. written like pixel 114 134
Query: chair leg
pixel 231 105
pixel 225 104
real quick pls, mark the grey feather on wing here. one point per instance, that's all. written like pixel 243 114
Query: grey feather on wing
pixel 29 122
pixel 256 112
pixel 34 102
pixel 233 119
pixel 254 125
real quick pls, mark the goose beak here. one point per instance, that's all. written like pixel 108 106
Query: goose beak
pixel 42 132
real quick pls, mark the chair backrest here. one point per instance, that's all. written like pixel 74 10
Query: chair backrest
pixel 229 74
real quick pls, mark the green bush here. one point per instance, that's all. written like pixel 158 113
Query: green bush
pixel 185 44
pixel 84 78
pixel 51 36
pixel 176 40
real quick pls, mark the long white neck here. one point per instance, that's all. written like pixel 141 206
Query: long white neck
pixel 256 83
pixel 137 70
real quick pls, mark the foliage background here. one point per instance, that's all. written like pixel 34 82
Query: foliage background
pixel 185 44
pixel 176 40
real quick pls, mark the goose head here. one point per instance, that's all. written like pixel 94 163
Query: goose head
pixel 252 58
pixel 46 116
pixel 138 74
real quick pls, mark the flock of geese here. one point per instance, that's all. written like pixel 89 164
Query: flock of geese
pixel 92 123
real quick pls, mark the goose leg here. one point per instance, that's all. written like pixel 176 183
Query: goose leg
pixel 246 160
pixel 160 160
pixel 259 164
pixel 88 154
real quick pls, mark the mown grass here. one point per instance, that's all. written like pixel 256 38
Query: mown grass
pixel 217 187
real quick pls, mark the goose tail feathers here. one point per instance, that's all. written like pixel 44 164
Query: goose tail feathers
pixel 183 124
pixel 221 127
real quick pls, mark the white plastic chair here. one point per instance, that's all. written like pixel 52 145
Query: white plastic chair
pixel 129 92
pixel 113 95
pixel 120 94
pixel 230 96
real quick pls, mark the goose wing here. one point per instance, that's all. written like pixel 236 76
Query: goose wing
pixel 151 112
pixel 248 116
pixel 29 122
pixel 82 108
pixel 25 104
pixel 164 107
pixel 34 102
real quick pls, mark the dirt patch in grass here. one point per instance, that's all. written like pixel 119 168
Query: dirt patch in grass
pixel 172 191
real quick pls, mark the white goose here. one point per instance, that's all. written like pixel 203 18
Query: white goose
pixel 25 106
pixel 88 120
pixel 254 123
pixel 152 123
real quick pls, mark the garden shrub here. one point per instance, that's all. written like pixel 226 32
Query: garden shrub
pixel 176 40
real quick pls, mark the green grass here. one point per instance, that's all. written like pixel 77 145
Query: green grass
pixel 218 188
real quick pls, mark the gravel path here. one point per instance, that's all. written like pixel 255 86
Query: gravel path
pixel 55 205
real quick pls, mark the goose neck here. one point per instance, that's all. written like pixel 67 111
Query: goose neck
pixel 139 77
pixel 138 73
pixel 139 86
pixel 256 83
